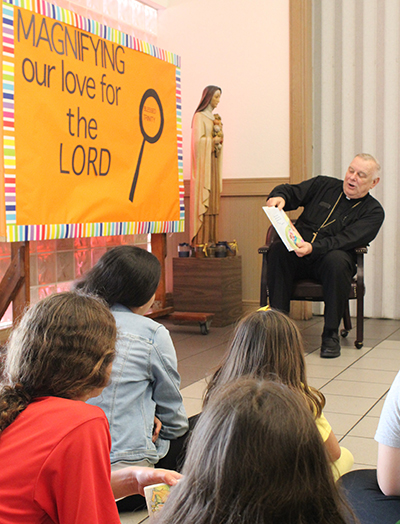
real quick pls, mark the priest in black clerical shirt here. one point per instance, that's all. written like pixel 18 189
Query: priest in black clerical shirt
pixel 338 216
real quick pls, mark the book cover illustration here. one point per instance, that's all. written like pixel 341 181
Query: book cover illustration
pixel 156 496
pixel 284 227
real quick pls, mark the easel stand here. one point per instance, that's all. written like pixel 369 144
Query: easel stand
pixel 159 249
pixel 15 285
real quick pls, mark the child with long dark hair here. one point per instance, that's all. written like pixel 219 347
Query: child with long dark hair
pixel 142 403
pixel 268 343
pixel 255 457
pixel 54 448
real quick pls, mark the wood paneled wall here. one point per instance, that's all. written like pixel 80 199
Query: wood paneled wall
pixel 241 219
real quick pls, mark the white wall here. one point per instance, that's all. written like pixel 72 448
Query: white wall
pixel 243 47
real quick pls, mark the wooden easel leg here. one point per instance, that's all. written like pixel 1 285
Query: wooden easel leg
pixel 14 286
pixel 159 249
pixel 22 298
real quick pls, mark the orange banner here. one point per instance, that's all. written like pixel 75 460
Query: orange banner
pixel 95 128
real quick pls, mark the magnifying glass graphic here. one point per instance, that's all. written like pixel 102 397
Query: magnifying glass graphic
pixel 149 113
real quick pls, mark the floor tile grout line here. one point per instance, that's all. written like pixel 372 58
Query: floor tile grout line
pixel 200 352
pixel 365 415
pixel 373 347
pixel 345 369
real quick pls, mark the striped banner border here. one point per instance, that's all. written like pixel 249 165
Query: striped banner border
pixel 16 233
pixel 8 115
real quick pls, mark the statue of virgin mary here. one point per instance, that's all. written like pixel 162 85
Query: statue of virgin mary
pixel 206 169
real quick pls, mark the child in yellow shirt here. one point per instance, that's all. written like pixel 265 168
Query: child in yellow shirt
pixel 267 344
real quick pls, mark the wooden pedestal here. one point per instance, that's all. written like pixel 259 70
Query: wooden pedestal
pixel 212 285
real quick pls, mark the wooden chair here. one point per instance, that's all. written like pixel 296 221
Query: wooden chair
pixel 311 290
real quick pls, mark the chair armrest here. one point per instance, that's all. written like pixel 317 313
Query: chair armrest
pixel 361 250
pixel 263 249
pixel 271 237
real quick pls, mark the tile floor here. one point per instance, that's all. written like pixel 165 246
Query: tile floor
pixel 355 384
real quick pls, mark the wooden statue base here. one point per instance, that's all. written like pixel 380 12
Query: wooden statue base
pixel 184 317
pixel 209 284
